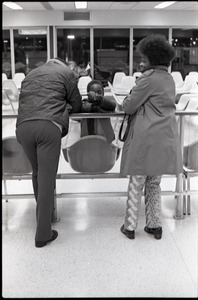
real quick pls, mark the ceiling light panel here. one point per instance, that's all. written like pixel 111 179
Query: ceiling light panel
pixel 31 5
pixel 183 5
pixel 12 5
pixel 164 4
pixel 81 4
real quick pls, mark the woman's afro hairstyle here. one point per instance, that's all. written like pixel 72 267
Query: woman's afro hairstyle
pixel 157 49
pixel 92 83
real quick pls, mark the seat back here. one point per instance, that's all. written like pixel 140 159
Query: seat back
pixel 192 104
pixel 177 77
pixel 11 89
pixel 82 84
pixel 18 78
pixel 194 88
pixel 189 82
pixel 190 156
pixel 91 154
pixel 193 73
pixel 6 100
pixel 137 75
pixel 127 83
pixel 117 79
pixel 4 77
pixel 183 102
pixel 15 161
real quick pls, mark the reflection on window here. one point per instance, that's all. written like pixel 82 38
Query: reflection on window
pixel 138 35
pixel 111 53
pixel 73 45
pixel 30 49
pixel 6 57
pixel 185 42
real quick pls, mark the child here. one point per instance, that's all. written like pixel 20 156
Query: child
pixel 96 102
pixel 152 146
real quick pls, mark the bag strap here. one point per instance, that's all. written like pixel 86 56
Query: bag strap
pixel 122 139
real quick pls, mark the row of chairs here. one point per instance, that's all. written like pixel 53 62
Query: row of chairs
pixel 10 94
pixel 188 85
pixel 98 158
pixel 17 78
pixel 187 102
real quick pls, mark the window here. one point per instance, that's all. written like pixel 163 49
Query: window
pixel 138 35
pixel 6 56
pixel 111 53
pixel 30 48
pixel 73 45
pixel 185 42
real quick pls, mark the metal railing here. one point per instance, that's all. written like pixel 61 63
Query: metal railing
pixel 179 193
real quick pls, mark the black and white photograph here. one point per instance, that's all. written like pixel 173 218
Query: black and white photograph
pixel 99 149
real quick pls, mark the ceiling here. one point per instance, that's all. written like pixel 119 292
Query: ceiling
pixel 94 6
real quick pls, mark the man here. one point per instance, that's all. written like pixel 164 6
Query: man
pixel 48 94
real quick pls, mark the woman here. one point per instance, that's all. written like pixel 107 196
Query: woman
pixel 152 146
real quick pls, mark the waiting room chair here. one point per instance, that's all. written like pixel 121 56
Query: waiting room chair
pixel 194 88
pixel 91 154
pixel 189 82
pixel 117 79
pixel 6 100
pixel 194 73
pixel 137 75
pixel 4 77
pixel 178 79
pixel 18 78
pixel 190 169
pixel 11 91
pixel 127 83
pixel 82 84
pixel 14 159
pixel 192 104
pixel 183 101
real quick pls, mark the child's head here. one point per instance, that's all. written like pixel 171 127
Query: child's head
pixel 95 91
pixel 156 50
pixel 95 86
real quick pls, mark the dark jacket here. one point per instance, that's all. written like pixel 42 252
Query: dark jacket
pixel 152 146
pixel 98 126
pixel 46 94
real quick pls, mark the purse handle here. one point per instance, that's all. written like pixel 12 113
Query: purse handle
pixel 120 137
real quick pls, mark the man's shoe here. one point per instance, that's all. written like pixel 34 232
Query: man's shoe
pixel 130 234
pixel 156 231
pixel 40 244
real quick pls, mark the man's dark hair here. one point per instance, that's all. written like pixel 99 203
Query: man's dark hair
pixel 94 82
pixel 157 49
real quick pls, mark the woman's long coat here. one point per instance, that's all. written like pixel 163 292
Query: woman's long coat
pixel 152 146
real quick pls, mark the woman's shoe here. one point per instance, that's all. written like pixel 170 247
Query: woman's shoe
pixel 156 231
pixel 130 234
pixel 40 244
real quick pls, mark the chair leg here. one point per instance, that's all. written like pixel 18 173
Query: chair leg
pixel 184 196
pixel 5 189
pixel 55 217
pixel 188 197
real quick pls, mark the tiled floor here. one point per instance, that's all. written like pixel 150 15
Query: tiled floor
pixel 91 258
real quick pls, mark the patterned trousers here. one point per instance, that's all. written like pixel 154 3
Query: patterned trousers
pixel 152 193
